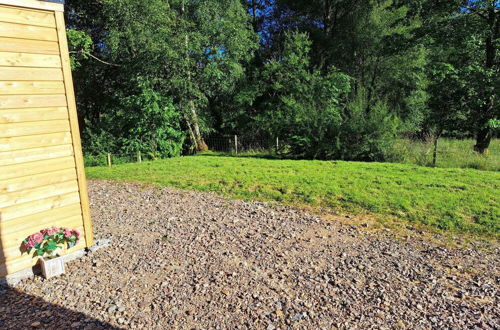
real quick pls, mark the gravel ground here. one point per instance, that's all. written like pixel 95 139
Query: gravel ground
pixel 189 260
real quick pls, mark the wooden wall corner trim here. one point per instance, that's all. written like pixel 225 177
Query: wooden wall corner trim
pixel 75 130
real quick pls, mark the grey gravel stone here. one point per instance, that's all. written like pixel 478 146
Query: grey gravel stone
pixel 112 309
pixel 251 265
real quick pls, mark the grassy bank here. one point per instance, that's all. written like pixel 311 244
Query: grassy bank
pixel 456 200
pixel 452 153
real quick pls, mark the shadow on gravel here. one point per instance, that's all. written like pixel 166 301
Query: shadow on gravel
pixel 21 311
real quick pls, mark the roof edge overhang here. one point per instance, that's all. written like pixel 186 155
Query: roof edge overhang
pixel 54 1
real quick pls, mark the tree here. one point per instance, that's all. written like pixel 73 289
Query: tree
pixel 293 100
pixel 463 38
pixel 188 52
pixel 373 42
pixel 488 13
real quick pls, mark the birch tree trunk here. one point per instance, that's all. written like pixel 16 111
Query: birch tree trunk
pixel 190 114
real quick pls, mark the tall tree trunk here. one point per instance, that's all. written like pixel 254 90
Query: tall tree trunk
pixel 190 114
pixel 198 138
pixel 483 140
pixel 484 133
pixel 435 151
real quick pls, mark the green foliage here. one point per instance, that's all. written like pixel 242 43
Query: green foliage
pixel 367 135
pixel 454 200
pixel 191 53
pixel 336 79
pixel 151 123
pixel 298 103
pixel 143 121
pixel 80 45
pixel 463 37
pixel 47 241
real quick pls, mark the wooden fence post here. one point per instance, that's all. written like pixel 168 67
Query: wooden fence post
pixel 236 143
pixel 139 157
pixel 277 144
pixel 109 159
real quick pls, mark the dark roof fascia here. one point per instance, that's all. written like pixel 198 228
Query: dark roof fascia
pixel 55 1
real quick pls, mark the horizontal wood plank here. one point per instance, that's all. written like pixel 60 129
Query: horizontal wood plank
pixel 32 101
pixel 21 31
pixel 34 194
pixel 39 180
pixel 37 206
pixel 30 60
pixel 30 155
pixel 40 220
pixel 38 167
pixel 14 239
pixel 18 15
pixel 29 129
pixel 30 74
pixel 31 87
pixel 34 141
pixel 28 46
pixel 9 116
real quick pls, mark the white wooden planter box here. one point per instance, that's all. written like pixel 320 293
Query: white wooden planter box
pixel 52 267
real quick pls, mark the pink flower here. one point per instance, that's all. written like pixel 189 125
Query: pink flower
pixel 68 233
pixel 76 233
pixel 51 231
pixel 34 239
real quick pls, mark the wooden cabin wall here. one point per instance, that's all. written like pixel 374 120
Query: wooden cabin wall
pixel 42 179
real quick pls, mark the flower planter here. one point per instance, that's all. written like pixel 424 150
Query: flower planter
pixel 52 267
pixel 45 243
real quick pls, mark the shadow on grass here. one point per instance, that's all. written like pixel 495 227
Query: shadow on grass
pixel 22 311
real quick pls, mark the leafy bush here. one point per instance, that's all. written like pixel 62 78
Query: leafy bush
pixel 366 133
pixel 143 121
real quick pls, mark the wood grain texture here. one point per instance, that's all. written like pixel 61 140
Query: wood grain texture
pixel 32 101
pixel 34 4
pixel 30 74
pixel 41 220
pixel 29 60
pixel 37 167
pixel 31 32
pixel 28 46
pixel 42 181
pixel 39 180
pixel 31 87
pixel 29 129
pixel 75 130
pixel 9 116
pixel 25 16
pixel 25 196
pixel 37 206
pixel 30 155
pixel 34 141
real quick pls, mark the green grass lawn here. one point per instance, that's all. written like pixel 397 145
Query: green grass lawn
pixel 454 200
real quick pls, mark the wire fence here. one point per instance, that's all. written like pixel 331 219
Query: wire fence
pixel 451 153
pixel 237 144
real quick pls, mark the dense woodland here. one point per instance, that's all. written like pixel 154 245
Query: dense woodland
pixel 335 79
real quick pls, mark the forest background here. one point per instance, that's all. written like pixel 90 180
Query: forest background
pixel 334 79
